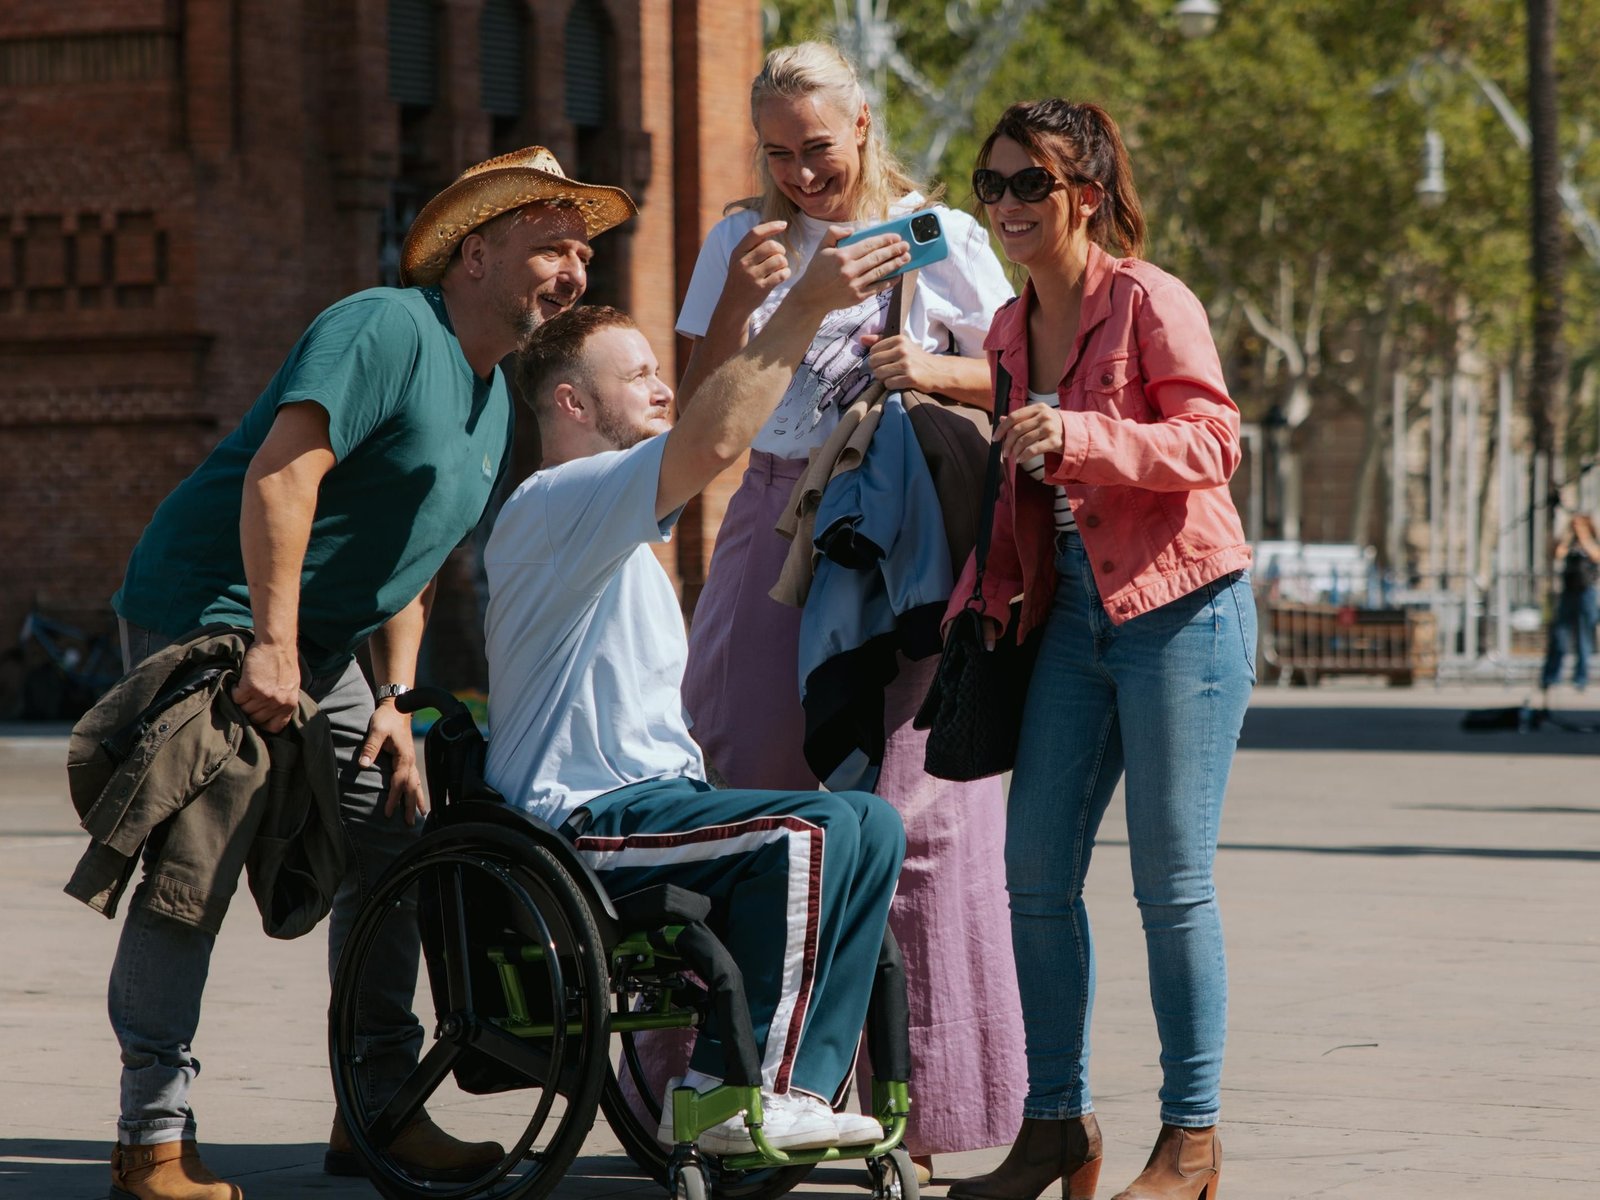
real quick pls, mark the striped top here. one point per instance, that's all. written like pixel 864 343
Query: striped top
pixel 1035 467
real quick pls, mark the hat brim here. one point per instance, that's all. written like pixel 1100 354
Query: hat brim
pixel 468 203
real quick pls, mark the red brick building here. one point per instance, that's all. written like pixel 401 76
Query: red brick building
pixel 185 183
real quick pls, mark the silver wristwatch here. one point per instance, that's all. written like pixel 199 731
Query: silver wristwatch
pixel 387 691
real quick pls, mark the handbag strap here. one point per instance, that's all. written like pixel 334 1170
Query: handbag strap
pixel 894 316
pixel 991 484
pixel 894 321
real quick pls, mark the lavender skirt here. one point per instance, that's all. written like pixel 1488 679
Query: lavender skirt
pixel 950 913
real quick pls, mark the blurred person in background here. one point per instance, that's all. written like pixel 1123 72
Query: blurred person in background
pixel 1572 629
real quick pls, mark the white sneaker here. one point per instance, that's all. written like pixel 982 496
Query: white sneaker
pixel 690 1078
pixel 856 1129
pixel 792 1121
pixel 664 1130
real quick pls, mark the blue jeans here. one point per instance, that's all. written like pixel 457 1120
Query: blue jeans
pixel 160 969
pixel 1159 699
pixel 1572 632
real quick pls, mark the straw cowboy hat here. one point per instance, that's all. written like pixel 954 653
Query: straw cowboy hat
pixel 483 192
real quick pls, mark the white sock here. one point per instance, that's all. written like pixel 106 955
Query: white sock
pixel 700 1081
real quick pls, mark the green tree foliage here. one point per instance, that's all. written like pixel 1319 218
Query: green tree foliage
pixel 1287 147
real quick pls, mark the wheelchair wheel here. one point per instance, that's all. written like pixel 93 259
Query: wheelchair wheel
pixel 520 995
pixel 894 1176
pixel 687 1183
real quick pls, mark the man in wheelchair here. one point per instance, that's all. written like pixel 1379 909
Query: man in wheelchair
pixel 586 652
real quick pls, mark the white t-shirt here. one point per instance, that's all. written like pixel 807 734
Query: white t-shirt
pixel 1065 522
pixel 584 636
pixel 949 312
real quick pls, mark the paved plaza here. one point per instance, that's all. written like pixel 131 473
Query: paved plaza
pixel 1413 918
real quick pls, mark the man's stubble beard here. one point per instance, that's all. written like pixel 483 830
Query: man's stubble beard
pixel 522 317
pixel 617 432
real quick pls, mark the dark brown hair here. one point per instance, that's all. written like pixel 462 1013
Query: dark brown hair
pixel 554 353
pixel 1081 145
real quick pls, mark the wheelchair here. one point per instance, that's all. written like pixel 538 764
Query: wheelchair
pixel 543 986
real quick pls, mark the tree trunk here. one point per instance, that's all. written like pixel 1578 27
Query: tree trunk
pixel 1377 400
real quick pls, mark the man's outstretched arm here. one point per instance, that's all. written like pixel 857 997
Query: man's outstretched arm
pixel 734 402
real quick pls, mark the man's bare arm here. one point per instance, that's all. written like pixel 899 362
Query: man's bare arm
pixel 280 500
pixel 759 263
pixel 736 399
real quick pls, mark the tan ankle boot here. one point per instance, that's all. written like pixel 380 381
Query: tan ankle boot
pixel 1185 1165
pixel 422 1149
pixel 1045 1151
pixel 170 1171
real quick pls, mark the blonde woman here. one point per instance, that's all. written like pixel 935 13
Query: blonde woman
pixel 822 161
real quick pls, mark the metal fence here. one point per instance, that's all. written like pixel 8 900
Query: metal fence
pixel 1331 612
pixel 1305 643
pixel 1490 626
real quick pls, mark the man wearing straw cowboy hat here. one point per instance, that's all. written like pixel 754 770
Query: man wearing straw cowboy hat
pixel 369 457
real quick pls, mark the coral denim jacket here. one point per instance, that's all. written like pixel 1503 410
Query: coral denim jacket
pixel 1150 441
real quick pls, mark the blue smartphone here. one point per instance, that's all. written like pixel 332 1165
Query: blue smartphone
pixel 922 231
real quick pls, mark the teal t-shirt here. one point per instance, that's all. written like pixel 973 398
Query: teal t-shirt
pixel 419 442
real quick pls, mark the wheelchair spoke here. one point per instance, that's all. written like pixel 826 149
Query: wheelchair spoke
pixel 453 927
pixel 413 1093
pixel 529 1058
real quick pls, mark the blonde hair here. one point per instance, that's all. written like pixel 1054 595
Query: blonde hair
pixel 817 68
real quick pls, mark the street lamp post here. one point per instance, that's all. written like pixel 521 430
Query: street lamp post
pixel 1431 188
pixel 1196 18
pixel 1584 223
pixel 1547 387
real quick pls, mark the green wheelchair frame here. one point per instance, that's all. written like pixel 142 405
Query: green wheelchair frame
pixel 535 972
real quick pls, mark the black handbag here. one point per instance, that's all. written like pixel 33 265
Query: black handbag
pixel 973 710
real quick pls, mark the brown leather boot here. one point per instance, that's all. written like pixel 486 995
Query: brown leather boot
pixel 170 1171
pixel 1044 1152
pixel 422 1149
pixel 1185 1165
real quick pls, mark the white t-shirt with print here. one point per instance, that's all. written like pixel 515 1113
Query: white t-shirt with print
pixel 949 312
pixel 584 637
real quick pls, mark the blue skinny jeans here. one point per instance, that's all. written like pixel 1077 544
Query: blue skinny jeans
pixel 1572 632
pixel 1159 699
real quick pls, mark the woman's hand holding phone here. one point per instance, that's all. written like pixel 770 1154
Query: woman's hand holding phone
pixel 843 276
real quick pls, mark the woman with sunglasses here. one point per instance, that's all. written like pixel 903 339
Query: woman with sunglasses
pixel 1117 530
pixel 822 162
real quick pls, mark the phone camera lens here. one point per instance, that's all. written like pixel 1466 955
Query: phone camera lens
pixel 924 228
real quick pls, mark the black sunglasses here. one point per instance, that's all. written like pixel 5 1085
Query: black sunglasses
pixel 1030 185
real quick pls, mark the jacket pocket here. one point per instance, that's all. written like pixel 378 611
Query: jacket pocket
pixel 1113 385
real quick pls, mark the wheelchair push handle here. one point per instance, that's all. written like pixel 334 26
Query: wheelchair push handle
pixel 429 697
